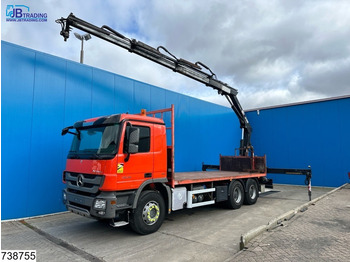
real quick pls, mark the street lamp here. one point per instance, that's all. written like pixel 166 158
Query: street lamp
pixel 85 37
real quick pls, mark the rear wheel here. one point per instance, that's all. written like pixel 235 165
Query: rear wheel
pixel 252 192
pixel 149 213
pixel 236 197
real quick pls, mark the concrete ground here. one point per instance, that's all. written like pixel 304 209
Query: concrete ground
pixel 209 233
pixel 321 233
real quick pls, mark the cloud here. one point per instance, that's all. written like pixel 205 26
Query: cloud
pixel 330 77
pixel 273 52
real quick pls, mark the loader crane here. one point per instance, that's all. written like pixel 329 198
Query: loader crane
pixel 163 57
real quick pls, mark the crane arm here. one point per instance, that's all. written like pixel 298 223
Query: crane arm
pixel 163 57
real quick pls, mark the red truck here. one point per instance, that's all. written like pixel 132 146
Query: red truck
pixel 120 168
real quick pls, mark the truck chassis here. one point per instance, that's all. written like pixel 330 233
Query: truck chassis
pixel 238 181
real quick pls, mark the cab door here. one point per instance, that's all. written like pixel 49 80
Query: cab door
pixel 136 168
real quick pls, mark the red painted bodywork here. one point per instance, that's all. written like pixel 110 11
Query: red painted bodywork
pixel 134 170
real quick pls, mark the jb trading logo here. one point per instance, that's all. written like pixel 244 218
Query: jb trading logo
pixel 20 13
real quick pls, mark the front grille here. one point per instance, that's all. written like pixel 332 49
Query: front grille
pixel 84 182
pixel 86 185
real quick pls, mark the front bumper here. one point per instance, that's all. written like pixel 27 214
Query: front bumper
pixel 84 205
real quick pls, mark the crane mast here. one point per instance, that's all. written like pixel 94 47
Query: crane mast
pixel 163 57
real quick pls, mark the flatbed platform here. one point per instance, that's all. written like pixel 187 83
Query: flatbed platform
pixel 183 178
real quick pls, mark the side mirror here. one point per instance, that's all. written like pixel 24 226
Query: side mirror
pixel 133 141
pixel 66 130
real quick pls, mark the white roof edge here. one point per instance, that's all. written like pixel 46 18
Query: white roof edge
pixel 299 103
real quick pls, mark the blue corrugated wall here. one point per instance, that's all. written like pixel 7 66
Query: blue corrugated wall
pixel 41 94
pixel 315 134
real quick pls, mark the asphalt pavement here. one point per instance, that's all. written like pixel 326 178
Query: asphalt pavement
pixel 210 233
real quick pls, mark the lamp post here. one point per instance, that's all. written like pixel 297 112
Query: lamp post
pixel 85 37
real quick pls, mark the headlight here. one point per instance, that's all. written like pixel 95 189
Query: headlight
pixel 100 204
pixel 64 197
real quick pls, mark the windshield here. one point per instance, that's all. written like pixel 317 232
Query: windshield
pixel 95 142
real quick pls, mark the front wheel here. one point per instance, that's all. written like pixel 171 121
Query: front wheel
pixel 149 213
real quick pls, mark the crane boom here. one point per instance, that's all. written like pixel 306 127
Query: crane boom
pixel 163 57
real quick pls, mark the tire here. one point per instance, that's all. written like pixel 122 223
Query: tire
pixel 149 213
pixel 236 196
pixel 252 192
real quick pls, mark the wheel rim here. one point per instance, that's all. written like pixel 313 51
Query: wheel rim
pixel 237 195
pixel 150 213
pixel 252 192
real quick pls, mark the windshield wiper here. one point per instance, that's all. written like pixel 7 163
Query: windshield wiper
pixel 93 156
pixel 73 156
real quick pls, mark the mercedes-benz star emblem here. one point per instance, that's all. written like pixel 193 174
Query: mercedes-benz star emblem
pixel 80 180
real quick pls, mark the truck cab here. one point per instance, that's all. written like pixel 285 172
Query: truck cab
pixel 111 158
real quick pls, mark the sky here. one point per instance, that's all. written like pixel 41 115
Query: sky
pixel 272 51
